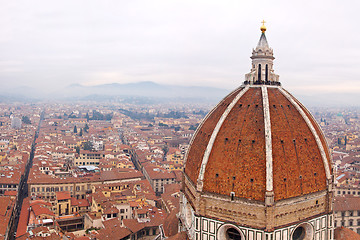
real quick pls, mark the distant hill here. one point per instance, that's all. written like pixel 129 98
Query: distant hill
pixel 117 91
pixel 144 89
pixel 330 99
pixel 150 92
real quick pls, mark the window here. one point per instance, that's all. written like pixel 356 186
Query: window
pixel 266 73
pixel 233 234
pixel 232 196
pixel 343 214
pixel 351 213
pixel 350 222
pixel 259 73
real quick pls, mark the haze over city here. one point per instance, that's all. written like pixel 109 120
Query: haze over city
pixel 50 45
pixel 179 120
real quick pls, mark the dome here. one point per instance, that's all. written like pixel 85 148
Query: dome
pixel 259 138
pixel 258 163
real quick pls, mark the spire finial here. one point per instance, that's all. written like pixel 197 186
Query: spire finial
pixel 263 28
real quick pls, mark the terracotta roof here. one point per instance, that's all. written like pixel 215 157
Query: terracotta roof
pixel 113 230
pixel 237 157
pixel 40 210
pixel 63 195
pixel 171 225
pixel 179 236
pixel 10 193
pixel 343 233
pixel 6 209
pixel 133 225
pixel 202 137
pixel 347 203
pixel 82 238
pixel 24 217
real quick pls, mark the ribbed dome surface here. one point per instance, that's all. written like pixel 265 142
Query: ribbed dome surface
pixel 235 150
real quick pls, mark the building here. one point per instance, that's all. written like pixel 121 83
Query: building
pixel 88 158
pixel 158 177
pixel 258 166
pixel 7 215
pixel 15 122
pixel 347 212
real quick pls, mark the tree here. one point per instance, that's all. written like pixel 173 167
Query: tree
pixel 77 148
pixel 165 148
pixel 88 146
pixel 26 120
pixel 193 127
pixel 86 128
pixel 75 129
pixel 162 124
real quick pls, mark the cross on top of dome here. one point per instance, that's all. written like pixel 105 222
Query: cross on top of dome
pixel 263 28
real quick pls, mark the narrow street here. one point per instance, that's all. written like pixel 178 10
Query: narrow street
pixel 23 187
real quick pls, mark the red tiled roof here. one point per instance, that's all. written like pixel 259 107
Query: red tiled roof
pixel 237 160
pixel 343 233
pixel 347 203
pixel 179 236
pixel 40 210
pixel 10 193
pixel 24 217
pixel 63 195
pixel 202 137
pixel 171 225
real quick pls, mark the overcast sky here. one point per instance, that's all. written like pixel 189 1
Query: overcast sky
pixel 50 44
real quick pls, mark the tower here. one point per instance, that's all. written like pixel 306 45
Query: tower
pixel 258 166
pixel 262 63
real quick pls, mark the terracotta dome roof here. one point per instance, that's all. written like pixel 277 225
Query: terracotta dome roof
pixel 259 139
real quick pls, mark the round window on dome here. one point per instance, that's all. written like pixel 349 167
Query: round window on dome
pixel 230 232
pixel 233 234
pixel 299 233
pixel 303 232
